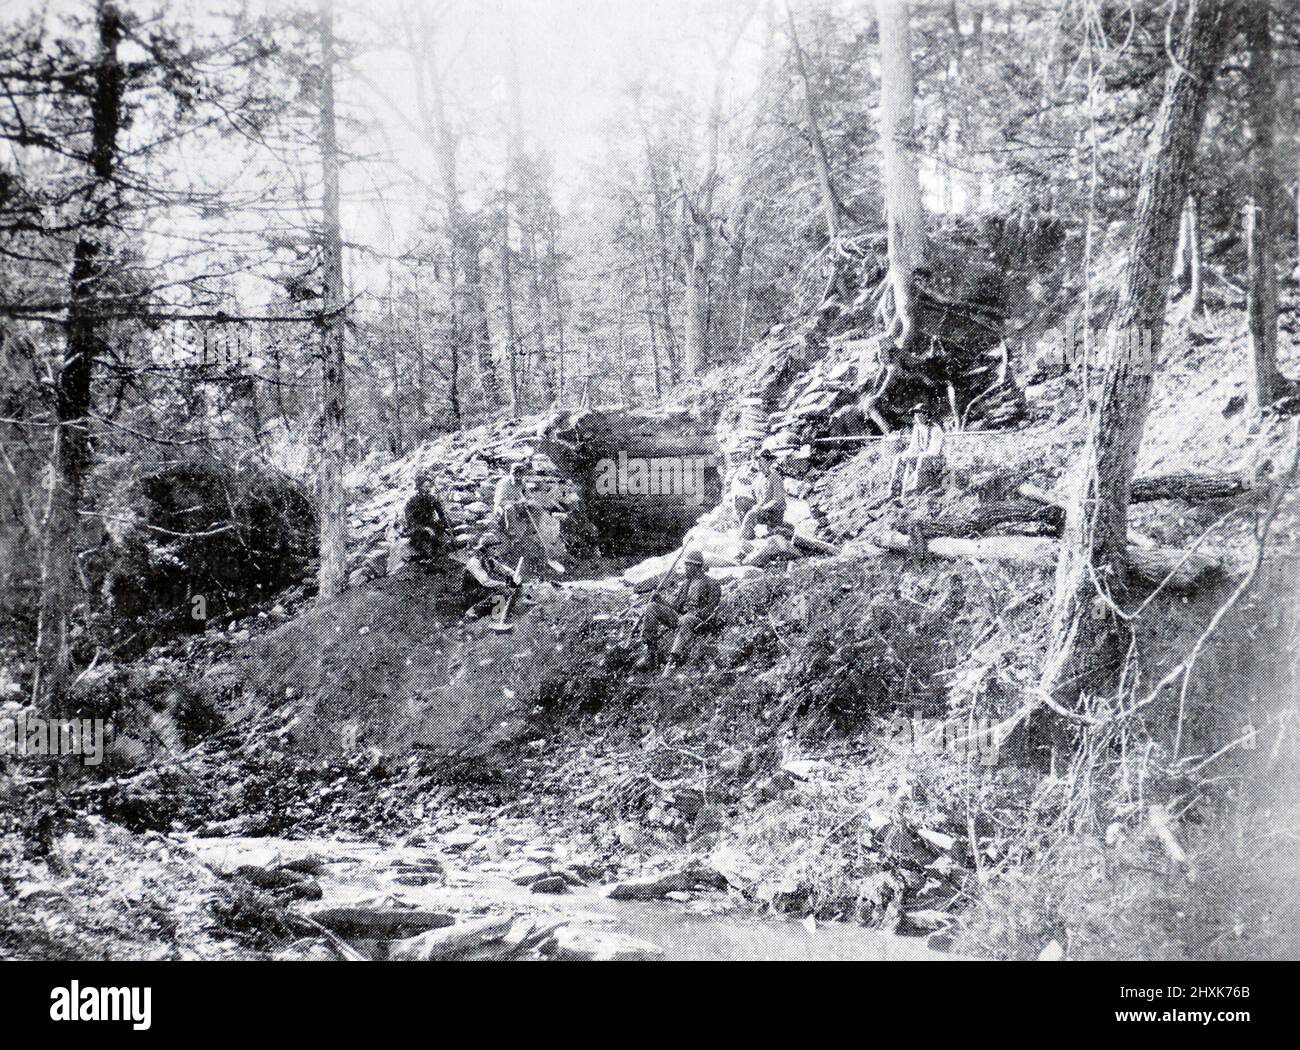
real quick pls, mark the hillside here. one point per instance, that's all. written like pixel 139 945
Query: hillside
pixel 846 700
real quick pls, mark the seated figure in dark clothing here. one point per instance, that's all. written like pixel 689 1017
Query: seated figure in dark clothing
pixel 427 525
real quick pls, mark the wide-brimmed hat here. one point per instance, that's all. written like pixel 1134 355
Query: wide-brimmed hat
pixel 488 539
pixel 918 410
pixel 694 557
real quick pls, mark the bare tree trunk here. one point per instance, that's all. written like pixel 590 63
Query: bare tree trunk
pixel 529 186
pixel 512 183
pixel 536 307
pixel 508 297
pixel 957 119
pixel 398 443
pixel 332 575
pixel 732 269
pixel 665 263
pixel 476 319
pixel 72 452
pixel 453 370
pixel 1196 291
pixel 468 323
pixel 831 203
pixel 643 250
pixel 1187 258
pixel 698 222
pixel 1265 381
pixel 904 216
pixel 697 251
pixel 553 273
pixel 422 371
pixel 1088 639
pixel 627 384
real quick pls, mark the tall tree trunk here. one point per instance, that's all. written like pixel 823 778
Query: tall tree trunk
pixel 510 187
pixel 508 299
pixel 332 576
pixel 903 213
pixel 732 270
pixel 643 250
pixel 1187 258
pixel 72 452
pixel 468 323
pixel 531 196
pixel 476 319
pixel 1265 381
pixel 1088 639
pixel 553 275
pixel 698 222
pixel 697 252
pixel 627 382
pixel 664 260
pixel 398 442
pixel 832 206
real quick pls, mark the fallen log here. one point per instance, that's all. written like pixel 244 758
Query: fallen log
pixel 380 923
pixel 811 543
pixel 989 516
pixel 690 877
pixel 1188 486
pixel 1033 492
pixel 1153 565
pixel 1186 570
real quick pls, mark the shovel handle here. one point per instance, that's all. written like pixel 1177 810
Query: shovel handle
pixel 658 586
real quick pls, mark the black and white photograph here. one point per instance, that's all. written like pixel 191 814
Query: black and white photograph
pixel 706 481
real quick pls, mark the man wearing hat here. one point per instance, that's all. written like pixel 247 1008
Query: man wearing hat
pixel 509 502
pixel 485 581
pixel 427 524
pixel 769 509
pixel 920 465
pixel 684 610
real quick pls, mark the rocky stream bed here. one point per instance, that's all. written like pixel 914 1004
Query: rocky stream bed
pixel 498 897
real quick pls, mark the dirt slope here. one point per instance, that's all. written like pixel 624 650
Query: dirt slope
pixel 391 665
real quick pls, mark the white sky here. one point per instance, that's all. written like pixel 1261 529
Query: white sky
pixel 576 59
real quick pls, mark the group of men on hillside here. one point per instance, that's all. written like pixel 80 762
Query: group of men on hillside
pixel 758 500
pixel 681 605
pixel 485 583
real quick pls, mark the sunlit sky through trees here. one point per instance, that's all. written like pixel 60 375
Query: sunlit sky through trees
pixel 580 63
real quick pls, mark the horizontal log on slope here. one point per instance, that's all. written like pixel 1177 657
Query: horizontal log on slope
pixel 1033 492
pixel 1188 486
pixel 989 516
pixel 1150 564
pixel 811 543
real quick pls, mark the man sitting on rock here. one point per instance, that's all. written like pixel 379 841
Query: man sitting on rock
pixel 509 503
pixel 685 610
pixel 920 466
pixel 741 484
pixel 485 585
pixel 769 508
pixel 427 524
